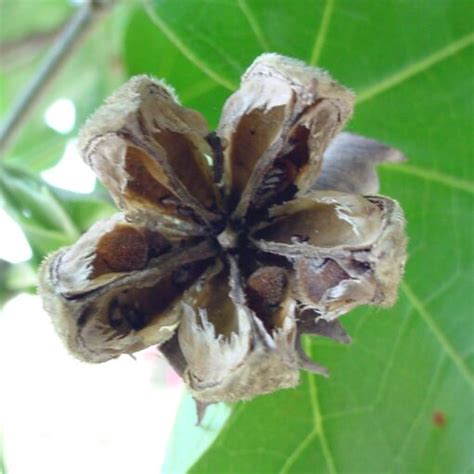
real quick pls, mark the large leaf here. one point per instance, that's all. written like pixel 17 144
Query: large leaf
pixel 400 398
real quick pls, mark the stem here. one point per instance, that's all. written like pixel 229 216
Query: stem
pixel 65 45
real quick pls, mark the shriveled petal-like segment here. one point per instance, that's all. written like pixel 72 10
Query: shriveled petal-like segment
pixel 310 322
pixel 347 250
pixel 101 307
pixel 333 286
pixel 248 364
pixel 152 155
pixel 110 249
pixel 349 164
pixel 173 353
pixel 223 366
pixel 275 128
pixel 212 296
pixel 210 356
pixel 321 223
pixel 326 286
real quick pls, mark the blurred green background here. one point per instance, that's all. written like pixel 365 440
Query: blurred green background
pixel 400 399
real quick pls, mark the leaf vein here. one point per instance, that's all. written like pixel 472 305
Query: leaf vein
pixel 349 412
pixel 438 333
pixel 291 459
pixel 322 32
pixel 420 413
pixel 317 417
pixel 188 53
pixel 212 46
pixel 197 89
pixel 433 175
pixel 389 365
pixel 258 32
pixel 414 69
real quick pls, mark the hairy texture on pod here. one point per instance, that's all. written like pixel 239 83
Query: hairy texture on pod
pixel 231 245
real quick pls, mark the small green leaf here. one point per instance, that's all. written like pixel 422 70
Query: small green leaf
pixel 50 218
pixel 33 202
pixel 15 279
pixel 86 209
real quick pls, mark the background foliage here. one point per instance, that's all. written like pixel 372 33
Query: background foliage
pixel 400 398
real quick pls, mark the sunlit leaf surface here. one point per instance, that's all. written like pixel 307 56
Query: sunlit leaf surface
pixel 400 398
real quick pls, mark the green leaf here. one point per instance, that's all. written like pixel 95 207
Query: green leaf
pixel 3 468
pixel 34 21
pixel 400 398
pixel 86 209
pixel 194 88
pixel 49 217
pixel 15 279
pixel 42 218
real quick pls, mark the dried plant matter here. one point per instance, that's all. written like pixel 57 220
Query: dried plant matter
pixel 229 246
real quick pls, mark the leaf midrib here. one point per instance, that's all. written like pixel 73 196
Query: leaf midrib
pixel 437 332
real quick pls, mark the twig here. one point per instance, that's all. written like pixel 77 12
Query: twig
pixel 66 43
pixel 20 51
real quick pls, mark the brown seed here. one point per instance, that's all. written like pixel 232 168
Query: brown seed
pixel 124 249
pixel 268 285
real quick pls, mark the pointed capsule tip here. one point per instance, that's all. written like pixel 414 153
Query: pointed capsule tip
pixel 201 408
pixel 346 339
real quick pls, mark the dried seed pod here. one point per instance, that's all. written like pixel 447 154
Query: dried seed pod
pixel 240 364
pixel 277 126
pixel 151 153
pixel 320 224
pixel 250 363
pixel 101 313
pixel 350 241
pixel 233 244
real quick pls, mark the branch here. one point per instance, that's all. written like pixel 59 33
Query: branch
pixel 19 51
pixel 62 49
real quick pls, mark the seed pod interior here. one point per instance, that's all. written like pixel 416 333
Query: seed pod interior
pixel 230 245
